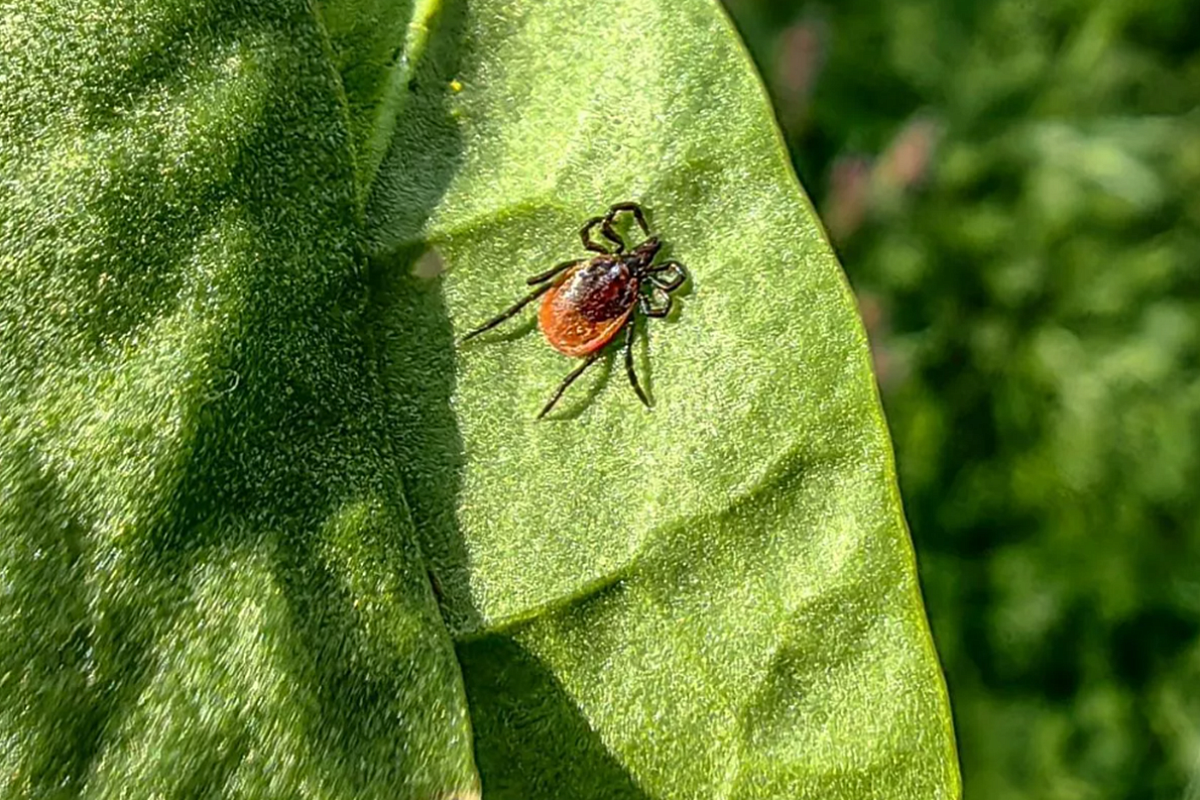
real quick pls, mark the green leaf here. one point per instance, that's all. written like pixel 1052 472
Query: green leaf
pixel 713 599
pixel 209 582
pixel 376 45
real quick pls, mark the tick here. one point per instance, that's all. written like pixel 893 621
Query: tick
pixel 588 302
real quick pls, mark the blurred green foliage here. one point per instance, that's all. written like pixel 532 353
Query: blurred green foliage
pixel 1013 188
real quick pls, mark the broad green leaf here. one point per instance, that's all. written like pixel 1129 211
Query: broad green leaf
pixel 209 582
pixel 713 599
pixel 376 45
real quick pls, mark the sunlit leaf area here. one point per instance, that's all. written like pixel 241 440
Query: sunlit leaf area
pixel 1014 191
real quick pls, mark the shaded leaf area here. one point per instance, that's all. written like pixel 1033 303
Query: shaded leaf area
pixel 1036 304
pixel 376 45
pixel 208 578
pixel 534 741
pixel 716 598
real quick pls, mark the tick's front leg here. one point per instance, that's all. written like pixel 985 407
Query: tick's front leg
pixel 494 321
pixel 585 233
pixel 632 208
pixel 550 273
pixel 652 310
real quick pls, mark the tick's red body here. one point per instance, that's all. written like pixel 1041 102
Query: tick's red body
pixel 584 310
pixel 587 302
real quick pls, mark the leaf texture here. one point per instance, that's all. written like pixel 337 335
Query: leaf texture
pixel 713 599
pixel 266 531
pixel 208 578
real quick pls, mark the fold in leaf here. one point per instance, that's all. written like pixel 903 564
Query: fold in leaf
pixel 716 598
pixel 209 582
pixel 376 45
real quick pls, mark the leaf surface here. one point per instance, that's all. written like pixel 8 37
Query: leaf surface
pixel 375 46
pixel 716 598
pixel 209 582
pixel 210 579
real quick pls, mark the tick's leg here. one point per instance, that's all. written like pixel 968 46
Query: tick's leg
pixel 672 283
pixel 633 379
pixel 656 311
pixel 634 209
pixel 550 273
pixel 585 233
pixel 494 321
pixel 611 234
pixel 567 381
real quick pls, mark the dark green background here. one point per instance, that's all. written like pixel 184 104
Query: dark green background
pixel 1014 188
